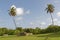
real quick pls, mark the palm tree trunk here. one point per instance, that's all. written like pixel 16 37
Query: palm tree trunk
pixel 14 21
pixel 52 25
pixel 52 19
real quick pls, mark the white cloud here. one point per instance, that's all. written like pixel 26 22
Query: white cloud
pixel 18 23
pixel 49 19
pixel 32 23
pixel 58 14
pixel 57 23
pixel 28 12
pixel 56 1
pixel 55 19
pixel 42 23
pixel 19 18
pixel 19 11
pixel 13 6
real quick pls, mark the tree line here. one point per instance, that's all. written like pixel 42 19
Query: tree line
pixel 37 30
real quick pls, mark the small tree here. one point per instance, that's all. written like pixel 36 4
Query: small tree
pixel 17 32
pixel 11 32
pixel 37 30
pixel 20 29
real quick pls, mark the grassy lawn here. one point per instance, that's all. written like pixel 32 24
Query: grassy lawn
pixel 33 37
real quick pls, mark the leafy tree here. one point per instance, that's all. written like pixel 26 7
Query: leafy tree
pixel 17 32
pixel 1 32
pixel 5 30
pixel 52 28
pixel 11 32
pixel 20 29
pixel 43 31
pixel 31 30
pixel 28 30
pixel 37 30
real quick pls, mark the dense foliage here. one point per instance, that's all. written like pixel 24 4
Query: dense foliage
pixel 37 30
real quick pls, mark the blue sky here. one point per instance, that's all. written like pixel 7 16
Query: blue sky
pixel 30 13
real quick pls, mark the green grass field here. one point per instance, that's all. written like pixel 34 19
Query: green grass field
pixel 33 37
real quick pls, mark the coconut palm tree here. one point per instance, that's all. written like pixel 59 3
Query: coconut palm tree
pixel 12 12
pixel 50 9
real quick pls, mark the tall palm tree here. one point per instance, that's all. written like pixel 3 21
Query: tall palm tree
pixel 12 12
pixel 50 9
